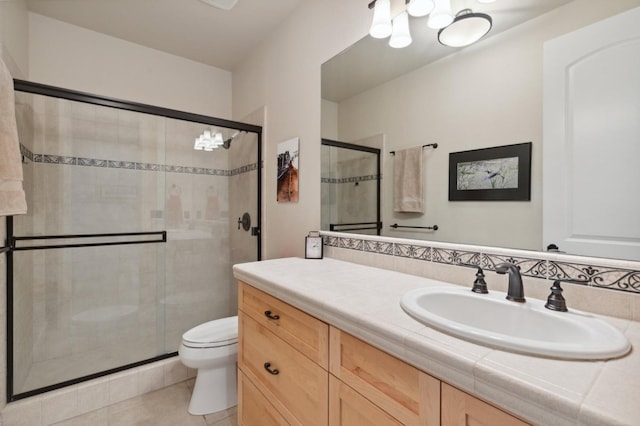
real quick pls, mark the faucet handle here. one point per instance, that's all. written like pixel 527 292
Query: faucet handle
pixel 479 285
pixel 557 302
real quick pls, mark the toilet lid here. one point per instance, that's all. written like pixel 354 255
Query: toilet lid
pixel 220 332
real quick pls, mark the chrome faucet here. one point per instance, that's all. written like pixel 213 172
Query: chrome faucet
pixel 516 290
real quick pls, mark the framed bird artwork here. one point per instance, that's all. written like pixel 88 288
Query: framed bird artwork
pixel 501 173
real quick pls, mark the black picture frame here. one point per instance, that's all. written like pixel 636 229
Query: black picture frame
pixel 501 173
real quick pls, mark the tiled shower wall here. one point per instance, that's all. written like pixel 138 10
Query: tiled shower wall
pixel 92 169
pixel 609 286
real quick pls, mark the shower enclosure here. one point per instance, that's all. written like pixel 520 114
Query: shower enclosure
pixel 130 237
pixel 350 187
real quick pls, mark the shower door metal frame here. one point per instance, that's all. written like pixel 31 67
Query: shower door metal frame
pixel 10 245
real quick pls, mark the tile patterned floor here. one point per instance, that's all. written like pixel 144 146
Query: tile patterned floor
pixel 164 407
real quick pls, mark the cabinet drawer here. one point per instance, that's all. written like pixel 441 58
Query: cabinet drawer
pixel 462 409
pixel 302 331
pixel 253 407
pixel 347 407
pixel 403 391
pixel 295 385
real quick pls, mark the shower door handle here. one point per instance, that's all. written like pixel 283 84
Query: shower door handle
pixel 245 221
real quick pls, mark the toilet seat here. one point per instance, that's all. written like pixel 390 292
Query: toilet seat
pixel 212 334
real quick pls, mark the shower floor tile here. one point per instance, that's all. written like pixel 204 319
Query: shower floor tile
pixel 164 407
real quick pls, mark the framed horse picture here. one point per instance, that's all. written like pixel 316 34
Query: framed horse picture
pixel 288 154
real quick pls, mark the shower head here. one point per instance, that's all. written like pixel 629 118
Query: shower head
pixel 227 143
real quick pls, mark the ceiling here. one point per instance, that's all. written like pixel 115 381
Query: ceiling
pixel 188 28
pixel 222 38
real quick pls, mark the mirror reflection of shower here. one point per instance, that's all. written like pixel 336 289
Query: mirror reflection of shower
pixel 350 187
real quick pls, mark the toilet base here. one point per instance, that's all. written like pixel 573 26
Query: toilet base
pixel 215 390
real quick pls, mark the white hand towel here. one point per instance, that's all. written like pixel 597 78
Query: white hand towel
pixel 12 198
pixel 408 180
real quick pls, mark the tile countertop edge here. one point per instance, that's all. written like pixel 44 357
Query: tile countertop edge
pixel 501 390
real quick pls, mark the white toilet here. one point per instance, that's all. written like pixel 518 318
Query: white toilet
pixel 212 348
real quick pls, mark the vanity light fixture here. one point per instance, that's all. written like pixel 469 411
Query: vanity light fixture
pixel 462 30
pixel 420 8
pixel 466 29
pixel 441 16
pixel 400 36
pixel 381 25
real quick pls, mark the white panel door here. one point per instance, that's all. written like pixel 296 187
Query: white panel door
pixel 591 170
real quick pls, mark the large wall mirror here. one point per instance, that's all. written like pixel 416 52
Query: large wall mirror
pixel 486 95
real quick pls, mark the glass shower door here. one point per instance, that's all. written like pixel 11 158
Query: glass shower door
pixel 130 237
pixel 88 255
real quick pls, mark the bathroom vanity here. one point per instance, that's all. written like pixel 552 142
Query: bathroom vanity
pixel 326 342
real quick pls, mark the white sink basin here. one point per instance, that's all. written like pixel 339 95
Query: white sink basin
pixel 529 328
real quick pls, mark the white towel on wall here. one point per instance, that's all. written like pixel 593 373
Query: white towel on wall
pixel 408 181
pixel 12 198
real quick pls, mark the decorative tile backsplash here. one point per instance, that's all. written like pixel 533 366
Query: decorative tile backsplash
pixel 604 273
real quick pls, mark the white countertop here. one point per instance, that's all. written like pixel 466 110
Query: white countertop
pixel 365 302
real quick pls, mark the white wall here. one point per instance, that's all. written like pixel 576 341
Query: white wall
pixel 14 36
pixel 68 56
pixel 283 74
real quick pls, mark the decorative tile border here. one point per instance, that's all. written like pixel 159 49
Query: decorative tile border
pixel 379 247
pixel 455 257
pixel 412 252
pixel 616 279
pixel 352 179
pixel 535 268
pixel 543 266
pixel 131 165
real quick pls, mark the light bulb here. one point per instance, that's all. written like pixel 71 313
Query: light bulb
pixel 466 29
pixel 217 140
pixel 420 8
pixel 400 37
pixel 441 16
pixel 381 25
pixel 198 144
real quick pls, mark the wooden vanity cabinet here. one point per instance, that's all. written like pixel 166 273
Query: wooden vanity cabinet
pixel 302 331
pixel 462 409
pixel 408 394
pixel 262 412
pixel 297 370
pixel 280 351
pixel 347 408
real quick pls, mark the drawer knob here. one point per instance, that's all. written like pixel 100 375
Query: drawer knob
pixel 274 371
pixel 269 315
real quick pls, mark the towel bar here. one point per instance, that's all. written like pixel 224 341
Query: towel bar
pixel 396 226
pixel 434 145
